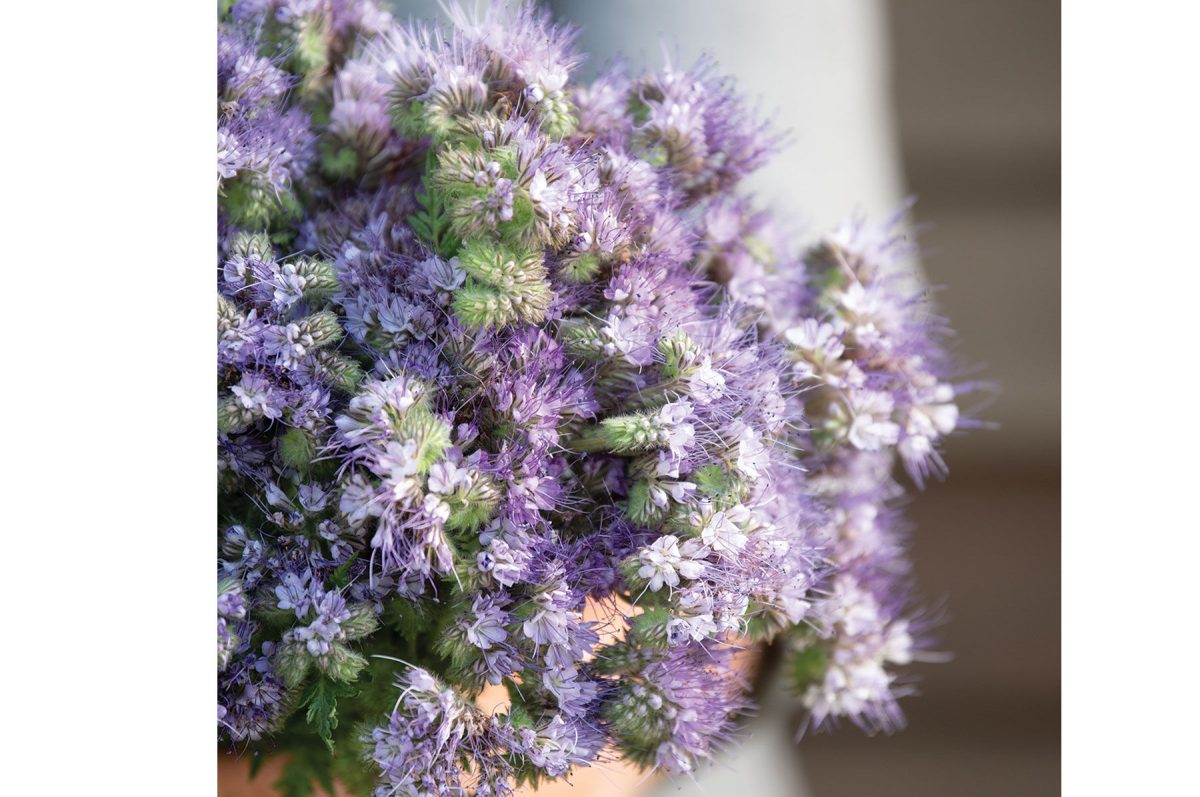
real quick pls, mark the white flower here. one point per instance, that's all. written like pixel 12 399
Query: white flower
pixel 696 627
pixel 434 507
pixel 397 466
pixel 674 432
pixel 358 501
pixel 816 338
pixel 872 428
pixel 753 457
pixel 705 384
pixel 446 477
pixel 721 534
pixel 664 562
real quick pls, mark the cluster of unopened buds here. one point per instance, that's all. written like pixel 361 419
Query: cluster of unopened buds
pixel 515 391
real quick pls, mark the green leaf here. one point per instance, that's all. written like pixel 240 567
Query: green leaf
pixel 296 780
pixel 321 701
pixel 256 762
pixel 432 222
pixel 302 772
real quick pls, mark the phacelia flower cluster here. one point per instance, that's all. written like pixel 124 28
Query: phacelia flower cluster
pixel 516 392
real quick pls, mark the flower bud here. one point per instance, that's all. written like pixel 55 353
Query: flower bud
pixel 292 663
pixel 341 663
pixel 362 622
pixel 296 449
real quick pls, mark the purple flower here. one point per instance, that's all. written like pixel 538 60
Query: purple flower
pixel 498 353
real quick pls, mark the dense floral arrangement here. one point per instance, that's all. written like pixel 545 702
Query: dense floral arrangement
pixel 515 389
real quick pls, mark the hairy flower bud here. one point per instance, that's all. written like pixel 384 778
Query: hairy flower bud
pixel 503 285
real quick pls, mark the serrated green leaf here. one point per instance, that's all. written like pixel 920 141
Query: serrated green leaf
pixel 321 701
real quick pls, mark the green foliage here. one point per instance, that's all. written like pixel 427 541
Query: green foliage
pixel 300 776
pixel 408 618
pixel 320 703
pixel 807 666
pixel 722 487
pixel 339 163
pixel 432 222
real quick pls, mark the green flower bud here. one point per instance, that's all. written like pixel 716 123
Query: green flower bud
pixel 480 307
pixel 341 663
pixel 345 373
pixel 362 622
pixel 649 629
pixel 619 658
pixel 678 351
pixel 311 53
pixel 234 417
pixel 557 115
pixel 583 338
pixel 638 721
pixel 581 268
pixel 460 655
pixel 252 244
pixel 431 434
pixel 626 434
pixel 292 663
pixel 323 327
pixel 227 314
pixel 320 278
pixel 765 621
pixel 296 448
pixel 722 487
pixel 409 119
pixel 339 163
pixel 471 507
pixel 249 203
pixel 641 509
pixel 504 285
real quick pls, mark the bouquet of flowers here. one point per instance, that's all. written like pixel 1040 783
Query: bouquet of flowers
pixel 517 393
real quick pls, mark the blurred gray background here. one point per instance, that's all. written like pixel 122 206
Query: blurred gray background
pixel 976 93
